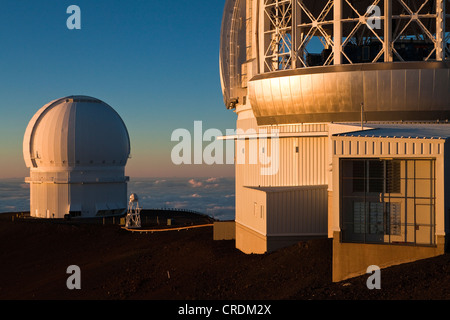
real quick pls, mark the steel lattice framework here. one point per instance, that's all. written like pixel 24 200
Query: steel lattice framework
pixel 343 25
pixel 278 53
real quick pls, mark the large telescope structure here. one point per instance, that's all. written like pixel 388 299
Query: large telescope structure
pixel 344 104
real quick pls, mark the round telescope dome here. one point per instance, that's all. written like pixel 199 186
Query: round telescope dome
pixel 76 131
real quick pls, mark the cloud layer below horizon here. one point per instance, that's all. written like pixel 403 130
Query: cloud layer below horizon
pixel 212 196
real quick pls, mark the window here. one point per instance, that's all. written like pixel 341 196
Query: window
pixel 393 176
pixel 395 218
pixel 375 176
pixel 388 201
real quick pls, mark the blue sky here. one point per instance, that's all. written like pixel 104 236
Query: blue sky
pixel 155 62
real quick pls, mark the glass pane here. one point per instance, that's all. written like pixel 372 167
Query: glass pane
pixel 410 192
pixel 410 209
pixel 410 233
pixel 423 188
pixel 376 176
pixel 399 238
pixel 423 214
pixel 376 218
pixel 384 201
pixel 358 169
pixel 359 217
pixel 393 176
pixel 423 169
pixel 410 169
pixel 353 219
pixel 395 218
pixel 347 168
pixel 423 234
pixel 358 172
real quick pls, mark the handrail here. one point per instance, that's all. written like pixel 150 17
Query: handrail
pixel 169 229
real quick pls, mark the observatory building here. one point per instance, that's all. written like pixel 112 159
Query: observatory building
pixel 77 148
pixel 342 126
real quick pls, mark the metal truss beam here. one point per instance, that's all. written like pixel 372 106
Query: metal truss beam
pixel 290 25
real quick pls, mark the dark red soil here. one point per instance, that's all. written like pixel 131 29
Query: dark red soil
pixel 185 265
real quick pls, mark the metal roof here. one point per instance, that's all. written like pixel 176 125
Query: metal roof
pixel 402 130
pixel 76 131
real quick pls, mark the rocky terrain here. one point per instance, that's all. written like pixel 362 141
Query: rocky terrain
pixel 186 265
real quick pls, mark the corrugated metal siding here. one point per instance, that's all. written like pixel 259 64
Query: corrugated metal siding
pixel 301 211
pixel 251 124
pixel 56 198
pixel 247 214
pixel 382 147
pixel 302 164
pixel 298 211
pixel 296 128
pixel 93 196
pixel 291 168
pixel 48 199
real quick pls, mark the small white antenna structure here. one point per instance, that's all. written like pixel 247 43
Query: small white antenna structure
pixel 133 219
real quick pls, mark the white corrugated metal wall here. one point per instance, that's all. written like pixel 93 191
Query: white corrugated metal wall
pixel 57 197
pixel 378 147
pixel 301 164
pixel 306 167
pixel 49 200
pixel 249 205
pixel 297 211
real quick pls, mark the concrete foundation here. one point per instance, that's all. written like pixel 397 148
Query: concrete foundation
pixel 224 230
pixel 352 259
pixel 249 241
pixel 252 242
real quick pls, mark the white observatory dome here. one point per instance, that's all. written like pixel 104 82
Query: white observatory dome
pixel 76 131
pixel 76 148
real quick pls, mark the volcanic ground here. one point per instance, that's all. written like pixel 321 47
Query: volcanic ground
pixel 117 264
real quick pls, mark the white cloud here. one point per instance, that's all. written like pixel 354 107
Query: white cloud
pixel 213 196
pixel 177 204
pixel 215 185
pixel 195 183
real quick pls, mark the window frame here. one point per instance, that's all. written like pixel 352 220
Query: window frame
pixel 389 200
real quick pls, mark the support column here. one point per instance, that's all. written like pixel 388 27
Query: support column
pixel 337 32
pixel 255 38
pixel 388 57
pixel 296 34
pixel 440 30
pixel 262 38
pixel 249 39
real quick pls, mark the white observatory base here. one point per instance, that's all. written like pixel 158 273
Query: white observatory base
pixel 57 194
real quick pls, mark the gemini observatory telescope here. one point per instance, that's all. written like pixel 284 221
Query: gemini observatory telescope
pixel 350 101
pixel 77 148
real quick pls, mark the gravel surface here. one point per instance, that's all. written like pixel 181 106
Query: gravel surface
pixel 185 265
